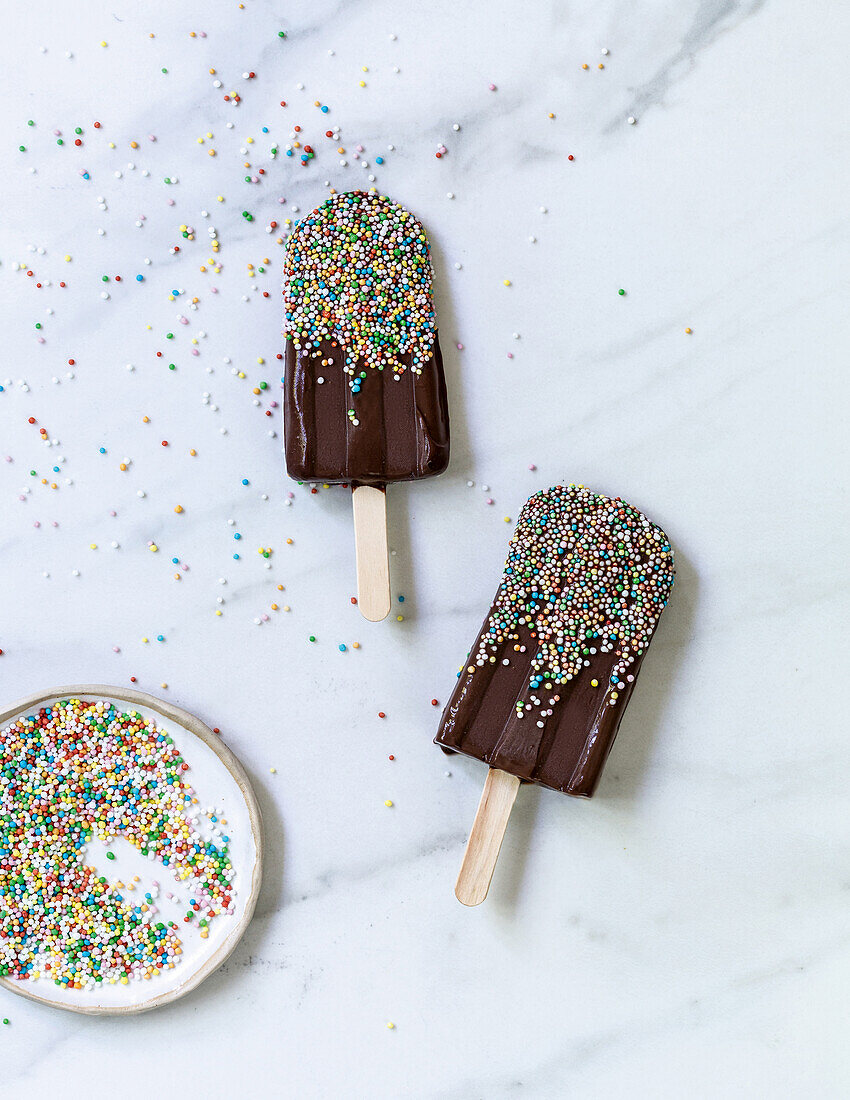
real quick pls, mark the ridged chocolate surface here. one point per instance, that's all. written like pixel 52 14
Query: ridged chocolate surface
pixel 403 429
pixel 569 752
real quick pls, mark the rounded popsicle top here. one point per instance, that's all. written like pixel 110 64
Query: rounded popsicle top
pixel 358 272
pixel 585 573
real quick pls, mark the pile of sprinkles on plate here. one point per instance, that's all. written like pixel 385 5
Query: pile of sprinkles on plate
pixel 358 272
pixel 584 572
pixel 80 769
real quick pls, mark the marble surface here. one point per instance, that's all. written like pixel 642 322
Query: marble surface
pixel 685 932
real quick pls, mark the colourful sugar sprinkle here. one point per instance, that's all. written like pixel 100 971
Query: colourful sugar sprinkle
pixel 80 769
pixel 358 272
pixel 584 572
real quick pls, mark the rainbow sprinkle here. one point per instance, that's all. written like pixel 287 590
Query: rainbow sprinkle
pixel 584 572
pixel 78 769
pixel 358 271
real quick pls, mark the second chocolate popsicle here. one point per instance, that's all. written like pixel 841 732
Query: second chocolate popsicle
pixel 543 691
pixel 364 393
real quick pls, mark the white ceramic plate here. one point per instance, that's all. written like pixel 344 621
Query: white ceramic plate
pixel 220 781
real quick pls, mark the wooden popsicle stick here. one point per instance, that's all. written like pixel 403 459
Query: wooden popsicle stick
pixel 485 840
pixel 370 542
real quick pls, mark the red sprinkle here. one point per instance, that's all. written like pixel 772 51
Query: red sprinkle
pixel 391 757
pixel 381 714
pixel 435 702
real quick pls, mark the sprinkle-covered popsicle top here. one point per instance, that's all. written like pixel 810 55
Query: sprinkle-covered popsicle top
pixel 358 272
pixel 584 574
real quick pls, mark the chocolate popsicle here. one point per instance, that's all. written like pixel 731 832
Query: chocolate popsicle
pixel 544 688
pixel 364 392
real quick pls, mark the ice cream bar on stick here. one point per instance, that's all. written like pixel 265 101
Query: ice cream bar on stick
pixel 364 392
pixel 544 687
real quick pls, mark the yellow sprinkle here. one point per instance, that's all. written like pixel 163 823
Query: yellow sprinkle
pixel 153 548
pixel 355 645
pixel 388 802
pixel 92 546
pixel 584 66
pixel 506 282
pixel 178 508
pixel 399 618
pixel 273 771
pixel 391 1026
pixel 594 683
pixel 507 519
pixel 689 331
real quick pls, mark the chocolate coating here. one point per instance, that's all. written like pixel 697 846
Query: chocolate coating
pixel 568 754
pixel 403 429
pixel 544 687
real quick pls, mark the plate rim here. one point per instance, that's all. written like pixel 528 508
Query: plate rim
pixel 200 729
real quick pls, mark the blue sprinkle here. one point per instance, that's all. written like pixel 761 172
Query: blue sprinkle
pixel 379 160
pixel 245 481
pixel 237 536
pixel 324 110
pixel 342 648
pixel 103 450
pixel 140 278
pixel 401 599
pixel 236 557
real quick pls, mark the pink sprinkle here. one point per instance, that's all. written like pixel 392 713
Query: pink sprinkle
pixel 490 500
pixel 532 467
pixel 459 347
pixel 195 351
pixel 492 87
pixel 116 649
pixel 36 524
pixel 510 355
pixel 170 202
pixel 273 404
pixel 113 513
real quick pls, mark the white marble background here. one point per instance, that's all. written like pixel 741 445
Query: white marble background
pixel 685 932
